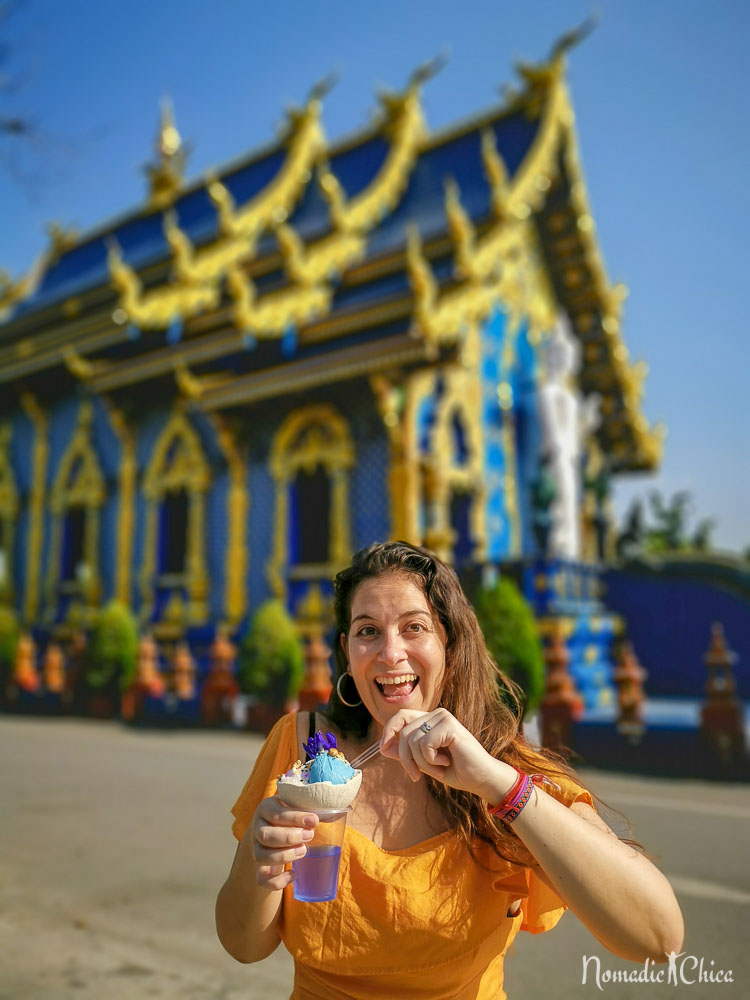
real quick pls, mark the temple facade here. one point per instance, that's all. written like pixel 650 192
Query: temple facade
pixel 407 334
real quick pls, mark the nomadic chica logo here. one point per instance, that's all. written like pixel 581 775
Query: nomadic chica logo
pixel 681 970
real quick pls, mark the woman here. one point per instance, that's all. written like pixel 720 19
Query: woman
pixel 433 886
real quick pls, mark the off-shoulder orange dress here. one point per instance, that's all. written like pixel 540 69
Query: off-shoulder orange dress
pixel 425 923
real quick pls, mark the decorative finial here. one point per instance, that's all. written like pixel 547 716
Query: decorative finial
pixel 572 38
pixel 61 238
pixel 538 77
pixel 426 70
pixel 165 175
pixel 324 86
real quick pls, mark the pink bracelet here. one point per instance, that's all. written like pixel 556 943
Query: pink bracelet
pixel 518 797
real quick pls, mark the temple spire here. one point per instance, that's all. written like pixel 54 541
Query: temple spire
pixel 166 173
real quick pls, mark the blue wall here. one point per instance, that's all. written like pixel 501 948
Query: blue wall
pixel 669 620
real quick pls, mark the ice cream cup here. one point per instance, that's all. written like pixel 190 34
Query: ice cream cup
pixel 316 875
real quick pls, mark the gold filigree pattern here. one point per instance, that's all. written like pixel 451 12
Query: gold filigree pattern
pixel 155 309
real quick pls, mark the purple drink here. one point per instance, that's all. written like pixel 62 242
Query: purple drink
pixel 316 875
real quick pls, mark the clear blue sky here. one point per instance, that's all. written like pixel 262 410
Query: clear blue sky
pixel 660 91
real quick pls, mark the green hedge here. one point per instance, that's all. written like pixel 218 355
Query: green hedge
pixel 510 631
pixel 112 652
pixel 271 660
pixel 9 635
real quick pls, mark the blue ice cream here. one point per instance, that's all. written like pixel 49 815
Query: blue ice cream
pixel 325 781
pixel 326 767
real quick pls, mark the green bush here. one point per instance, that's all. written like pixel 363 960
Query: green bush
pixel 112 653
pixel 509 628
pixel 271 662
pixel 9 634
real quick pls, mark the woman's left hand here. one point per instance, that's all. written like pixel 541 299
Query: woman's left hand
pixel 447 751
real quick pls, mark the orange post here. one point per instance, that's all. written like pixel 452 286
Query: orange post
pixel 722 720
pixel 561 704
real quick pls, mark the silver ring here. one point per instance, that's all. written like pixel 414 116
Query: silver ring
pixel 425 727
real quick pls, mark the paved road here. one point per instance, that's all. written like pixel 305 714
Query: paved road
pixel 113 844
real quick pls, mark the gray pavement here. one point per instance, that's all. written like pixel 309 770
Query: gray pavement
pixel 113 844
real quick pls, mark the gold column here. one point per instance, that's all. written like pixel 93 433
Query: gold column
pixel 389 399
pixel 36 507
pixel 418 386
pixel 238 502
pixel 280 555
pixel 197 580
pixel 340 550
pixel 126 513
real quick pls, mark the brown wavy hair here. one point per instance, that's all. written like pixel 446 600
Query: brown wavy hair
pixel 475 691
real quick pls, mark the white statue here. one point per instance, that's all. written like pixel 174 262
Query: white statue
pixel 566 421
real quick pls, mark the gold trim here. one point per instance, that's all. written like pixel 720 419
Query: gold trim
pixel 158 308
pixel 309 266
pixel 313 435
pixel 12 293
pixel 38 418
pixel 405 124
pixel 197 272
pixel 272 315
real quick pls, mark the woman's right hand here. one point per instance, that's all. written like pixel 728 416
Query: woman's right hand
pixel 278 835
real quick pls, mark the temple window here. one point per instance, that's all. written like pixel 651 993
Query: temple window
pixel 311 456
pixel 173 532
pixel 310 502
pixel 73 549
pixel 78 494
pixel 460 450
pixel 460 521
pixel 174 584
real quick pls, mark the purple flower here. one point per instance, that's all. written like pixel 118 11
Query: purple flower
pixel 319 744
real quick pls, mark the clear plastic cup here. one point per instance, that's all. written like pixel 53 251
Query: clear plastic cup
pixel 316 876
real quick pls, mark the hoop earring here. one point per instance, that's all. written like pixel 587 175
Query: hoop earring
pixel 342 699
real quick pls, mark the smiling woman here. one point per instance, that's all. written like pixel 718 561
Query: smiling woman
pixel 462 833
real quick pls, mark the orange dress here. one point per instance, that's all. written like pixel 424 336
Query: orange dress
pixel 424 923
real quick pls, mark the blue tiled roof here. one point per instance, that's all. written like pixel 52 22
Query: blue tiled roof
pixel 142 242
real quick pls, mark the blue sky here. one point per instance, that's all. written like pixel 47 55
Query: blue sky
pixel 659 91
